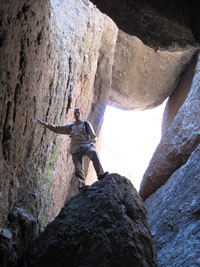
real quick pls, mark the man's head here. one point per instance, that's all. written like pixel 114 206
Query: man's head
pixel 77 113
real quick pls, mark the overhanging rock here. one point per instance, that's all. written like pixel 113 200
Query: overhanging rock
pixel 142 77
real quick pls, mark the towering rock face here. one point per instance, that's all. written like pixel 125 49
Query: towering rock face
pixel 105 225
pixel 50 54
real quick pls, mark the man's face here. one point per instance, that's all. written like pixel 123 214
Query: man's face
pixel 77 114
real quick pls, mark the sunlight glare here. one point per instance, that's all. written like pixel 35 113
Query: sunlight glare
pixel 129 139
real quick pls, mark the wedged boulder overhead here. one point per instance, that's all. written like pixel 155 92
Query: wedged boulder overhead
pixel 174 216
pixel 143 78
pixel 105 225
pixel 180 140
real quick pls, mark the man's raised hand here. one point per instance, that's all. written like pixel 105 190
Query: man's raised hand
pixel 40 122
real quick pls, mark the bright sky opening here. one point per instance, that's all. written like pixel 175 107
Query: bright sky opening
pixel 129 139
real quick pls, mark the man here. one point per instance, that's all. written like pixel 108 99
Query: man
pixel 83 139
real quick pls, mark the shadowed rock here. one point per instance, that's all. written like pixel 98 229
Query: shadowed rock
pixel 158 23
pixel 105 225
pixel 174 216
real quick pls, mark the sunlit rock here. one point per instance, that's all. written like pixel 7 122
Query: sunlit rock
pixel 51 54
pixel 142 77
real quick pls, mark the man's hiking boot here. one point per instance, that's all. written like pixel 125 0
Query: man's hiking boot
pixel 101 176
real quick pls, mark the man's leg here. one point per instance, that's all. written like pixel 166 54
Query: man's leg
pixel 94 157
pixel 77 160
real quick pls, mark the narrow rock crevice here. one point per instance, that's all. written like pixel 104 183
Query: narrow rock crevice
pixel 22 62
pixel 40 36
pixel 7 133
pixel 69 85
pixel 16 94
pixel 2 38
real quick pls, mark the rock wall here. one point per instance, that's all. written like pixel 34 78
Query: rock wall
pixel 177 144
pixel 170 184
pixel 48 67
pixel 56 55
pixel 25 86
pixel 179 95
pixel 174 216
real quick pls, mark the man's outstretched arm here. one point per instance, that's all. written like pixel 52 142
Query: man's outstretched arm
pixel 59 129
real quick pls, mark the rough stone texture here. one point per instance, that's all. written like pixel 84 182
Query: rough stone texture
pixel 90 77
pixel 177 144
pixel 174 216
pixel 105 225
pixel 144 78
pixel 48 66
pixel 5 244
pixel 166 24
pixel 178 97
pixel 24 228
pixel 14 240
pixel 56 55
pixel 24 54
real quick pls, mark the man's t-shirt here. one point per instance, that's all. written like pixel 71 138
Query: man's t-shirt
pixel 80 138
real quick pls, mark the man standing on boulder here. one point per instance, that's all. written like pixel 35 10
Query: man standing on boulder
pixel 83 139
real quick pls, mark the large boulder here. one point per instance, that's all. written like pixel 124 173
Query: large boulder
pixel 105 225
pixel 174 216
pixel 142 77
pixel 177 144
